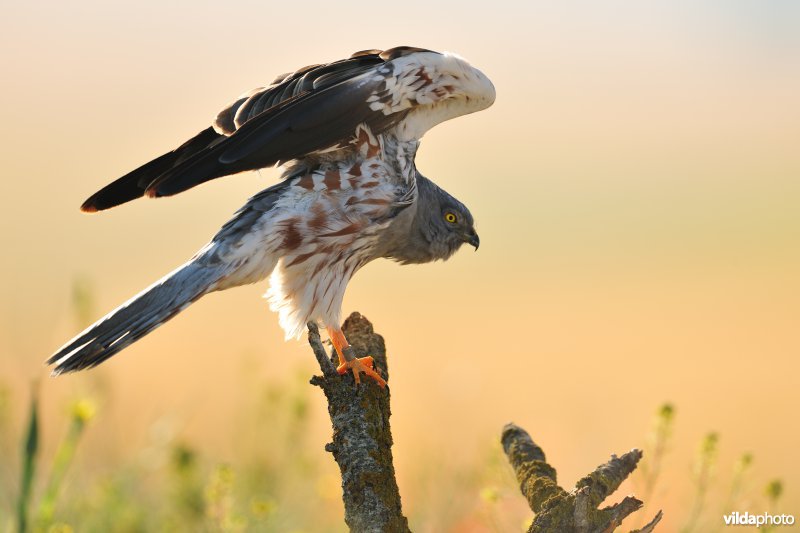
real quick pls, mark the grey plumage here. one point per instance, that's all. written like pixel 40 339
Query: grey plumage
pixel 311 109
pixel 348 134
pixel 167 297
pixel 421 234
pixel 137 317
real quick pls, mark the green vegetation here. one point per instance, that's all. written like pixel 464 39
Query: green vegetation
pixel 82 411
pixel 699 515
pixel 29 449
pixel 281 482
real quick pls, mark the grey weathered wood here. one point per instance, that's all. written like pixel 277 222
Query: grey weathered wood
pixel 362 437
pixel 362 447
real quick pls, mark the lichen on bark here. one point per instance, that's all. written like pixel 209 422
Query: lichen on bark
pixel 362 447
pixel 362 437
pixel 577 511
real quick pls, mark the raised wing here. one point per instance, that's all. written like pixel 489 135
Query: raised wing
pixel 314 110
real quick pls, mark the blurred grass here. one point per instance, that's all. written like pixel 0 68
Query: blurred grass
pixel 697 516
pixel 29 449
pixel 81 413
pixel 656 448
pixel 702 472
pixel 278 480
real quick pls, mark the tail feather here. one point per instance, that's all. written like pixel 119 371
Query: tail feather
pixel 137 317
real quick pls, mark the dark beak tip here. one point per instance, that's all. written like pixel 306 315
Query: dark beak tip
pixel 475 241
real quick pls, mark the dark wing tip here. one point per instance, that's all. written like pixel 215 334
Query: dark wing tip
pixel 89 206
pixel 133 184
pixel 110 196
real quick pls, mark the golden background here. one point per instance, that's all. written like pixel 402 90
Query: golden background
pixel 635 187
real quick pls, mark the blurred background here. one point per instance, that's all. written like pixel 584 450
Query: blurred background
pixel 636 191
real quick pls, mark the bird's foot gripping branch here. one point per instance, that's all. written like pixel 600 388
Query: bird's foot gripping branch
pixel 348 360
pixel 362 437
pixel 362 447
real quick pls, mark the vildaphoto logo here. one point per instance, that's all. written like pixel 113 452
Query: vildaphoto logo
pixel 765 519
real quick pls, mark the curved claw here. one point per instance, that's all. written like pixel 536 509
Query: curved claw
pixel 359 365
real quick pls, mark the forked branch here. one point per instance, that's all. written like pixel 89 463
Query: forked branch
pixel 362 447
pixel 577 511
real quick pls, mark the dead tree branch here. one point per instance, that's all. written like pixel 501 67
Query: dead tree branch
pixel 571 512
pixel 362 447
pixel 362 437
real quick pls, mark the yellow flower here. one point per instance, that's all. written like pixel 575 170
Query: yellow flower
pixel 490 494
pixel 84 410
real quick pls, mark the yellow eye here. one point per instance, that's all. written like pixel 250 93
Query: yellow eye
pixel 450 217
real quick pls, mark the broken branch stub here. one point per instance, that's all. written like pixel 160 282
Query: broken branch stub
pixel 362 437
pixel 559 511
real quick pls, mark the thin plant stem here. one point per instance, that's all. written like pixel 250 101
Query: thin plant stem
pixel 30 448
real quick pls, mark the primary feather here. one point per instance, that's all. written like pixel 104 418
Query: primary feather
pixel 347 133
pixel 313 110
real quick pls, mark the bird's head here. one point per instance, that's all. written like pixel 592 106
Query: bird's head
pixel 441 224
pixel 451 226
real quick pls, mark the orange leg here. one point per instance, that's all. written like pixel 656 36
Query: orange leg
pixel 348 361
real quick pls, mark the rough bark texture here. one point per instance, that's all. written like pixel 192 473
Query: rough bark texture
pixel 362 438
pixel 362 447
pixel 570 512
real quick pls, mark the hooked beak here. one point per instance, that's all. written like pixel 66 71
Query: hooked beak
pixel 473 239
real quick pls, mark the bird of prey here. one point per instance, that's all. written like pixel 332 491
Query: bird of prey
pixel 345 135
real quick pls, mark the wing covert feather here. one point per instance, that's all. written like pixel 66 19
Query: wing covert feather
pixel 312 110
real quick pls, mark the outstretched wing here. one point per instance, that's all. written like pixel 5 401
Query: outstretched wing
pixel 313 110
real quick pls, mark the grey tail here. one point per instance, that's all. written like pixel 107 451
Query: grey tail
pixel 137 317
